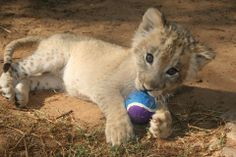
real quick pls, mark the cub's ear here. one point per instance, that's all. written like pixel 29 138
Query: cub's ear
pixel 202 56
pixel 152 19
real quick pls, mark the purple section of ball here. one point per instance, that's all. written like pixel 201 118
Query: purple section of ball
pixel 139 115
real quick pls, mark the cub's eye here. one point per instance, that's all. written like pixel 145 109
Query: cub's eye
pixel 149 58
pixel 172 71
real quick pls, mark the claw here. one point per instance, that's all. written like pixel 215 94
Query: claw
pixel 6 67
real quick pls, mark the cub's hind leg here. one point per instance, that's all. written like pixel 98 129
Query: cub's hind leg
pixel 43 82
pixel 47 60
pixel 38 63
pixel 31 66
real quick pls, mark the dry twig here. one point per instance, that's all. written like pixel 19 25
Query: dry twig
pixel 5 29
pixel 15 129
pixel 197 128
pixel 18 142
pixel 65 114
pixel 26 149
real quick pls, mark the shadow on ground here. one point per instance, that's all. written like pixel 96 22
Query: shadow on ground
pixel 192 108
pixel 112 10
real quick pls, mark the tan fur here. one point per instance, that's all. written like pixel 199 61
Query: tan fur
pixel 105 73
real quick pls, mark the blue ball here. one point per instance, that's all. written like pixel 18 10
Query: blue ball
pixel 140 106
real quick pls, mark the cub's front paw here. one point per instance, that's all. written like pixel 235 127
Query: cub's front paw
pixel 160 124
pixel 118 130
pixel 6 86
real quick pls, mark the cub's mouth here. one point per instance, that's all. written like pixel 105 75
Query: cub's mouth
pixel 155 92
pixel 143 87
pixel 147 89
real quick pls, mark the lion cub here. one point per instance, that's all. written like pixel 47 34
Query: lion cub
pixel 162 57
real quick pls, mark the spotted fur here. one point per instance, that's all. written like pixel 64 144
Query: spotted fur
pixel 163 55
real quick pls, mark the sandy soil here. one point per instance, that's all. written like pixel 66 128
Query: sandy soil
pixel 212 22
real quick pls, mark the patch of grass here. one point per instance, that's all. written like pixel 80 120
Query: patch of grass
pixel 35 134
pixel 80 150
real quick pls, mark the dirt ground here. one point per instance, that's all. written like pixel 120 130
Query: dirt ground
pixel 212 22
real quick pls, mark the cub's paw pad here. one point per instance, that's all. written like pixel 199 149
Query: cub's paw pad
pixel 160 124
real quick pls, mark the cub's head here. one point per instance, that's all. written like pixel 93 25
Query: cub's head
pixel 165 54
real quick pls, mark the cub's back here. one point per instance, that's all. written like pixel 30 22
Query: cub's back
pixel 91 62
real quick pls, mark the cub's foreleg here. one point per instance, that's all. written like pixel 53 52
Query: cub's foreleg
pixel 161 123
pixel 118 125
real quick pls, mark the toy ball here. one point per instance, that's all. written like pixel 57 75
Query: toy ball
pixel 140 106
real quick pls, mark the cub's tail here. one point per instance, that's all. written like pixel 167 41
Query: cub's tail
pixel 9 49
